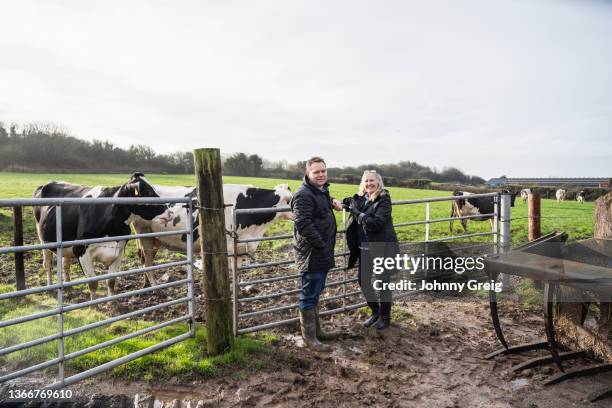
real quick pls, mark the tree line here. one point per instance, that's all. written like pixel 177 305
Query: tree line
pixel 49 148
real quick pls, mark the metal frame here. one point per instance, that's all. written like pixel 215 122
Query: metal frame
pixel 62 307
pixel 345 295
pixel 555 354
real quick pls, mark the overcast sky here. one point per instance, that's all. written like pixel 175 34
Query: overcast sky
pixel 521 88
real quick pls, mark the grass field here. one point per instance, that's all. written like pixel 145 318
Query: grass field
pixel 571 217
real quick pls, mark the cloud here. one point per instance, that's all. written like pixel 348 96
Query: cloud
pixel 485 87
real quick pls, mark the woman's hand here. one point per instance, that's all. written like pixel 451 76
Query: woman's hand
pixel 354 210
pixel 336 204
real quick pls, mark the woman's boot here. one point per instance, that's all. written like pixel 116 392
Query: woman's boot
pixel 385 316
pixel 375 314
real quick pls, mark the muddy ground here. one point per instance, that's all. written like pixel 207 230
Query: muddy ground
pixel 431 356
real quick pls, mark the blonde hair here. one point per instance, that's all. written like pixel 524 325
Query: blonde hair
pixel 380 188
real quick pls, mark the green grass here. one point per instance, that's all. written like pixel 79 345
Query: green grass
pixel 524 292
pixel 400 314
pixel 528 294
pixel 185 359
pixel 571 217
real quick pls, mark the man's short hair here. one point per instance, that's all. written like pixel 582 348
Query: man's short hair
pixel 312 160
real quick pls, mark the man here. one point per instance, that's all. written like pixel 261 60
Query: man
pixel 314 236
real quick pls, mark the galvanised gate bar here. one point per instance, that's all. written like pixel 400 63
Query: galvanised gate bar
pixel 63 308
pixel 500 234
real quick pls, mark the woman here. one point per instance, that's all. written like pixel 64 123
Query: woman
pixel 371 222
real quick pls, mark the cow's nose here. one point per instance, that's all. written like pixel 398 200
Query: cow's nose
pixel 168 215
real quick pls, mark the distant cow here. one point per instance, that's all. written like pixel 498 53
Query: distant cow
pixel 560 194
pixel 525 194
pixel 240 196
pixel 474 206
pixel 580 196
pixel 92 221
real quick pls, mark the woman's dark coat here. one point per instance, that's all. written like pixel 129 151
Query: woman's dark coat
pixel 314 231
pixel 377 224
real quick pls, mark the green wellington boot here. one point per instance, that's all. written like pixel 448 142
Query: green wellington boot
pixel 308 322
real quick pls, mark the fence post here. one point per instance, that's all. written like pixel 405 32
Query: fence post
pixel 496 224
pixel 427 233
pixel 217 301
pixel 427 218
pixel 345 259
pixel 504 238
pixel 18 241
pixel 191 284
pixel 235 287
pixel 533 205
pixel 60 293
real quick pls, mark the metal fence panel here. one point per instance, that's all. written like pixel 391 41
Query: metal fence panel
pixel 345 294
pixel 63 308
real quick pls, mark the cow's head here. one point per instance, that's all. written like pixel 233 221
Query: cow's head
pixel 254 198
pixel 138 187
pixel 512 195
pixel 284 193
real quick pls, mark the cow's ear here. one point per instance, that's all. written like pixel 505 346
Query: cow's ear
pixel 136 177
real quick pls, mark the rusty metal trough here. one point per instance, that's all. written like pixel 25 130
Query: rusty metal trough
pixel 584 265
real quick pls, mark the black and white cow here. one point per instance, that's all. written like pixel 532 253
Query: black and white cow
pixel 92 221
pixel 580 196
pixel 238 196
pixel 525 194
pixel 474 206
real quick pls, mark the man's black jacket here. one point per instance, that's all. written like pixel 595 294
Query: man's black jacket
pixel 314 231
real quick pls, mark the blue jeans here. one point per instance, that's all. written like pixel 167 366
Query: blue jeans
pixel 313 284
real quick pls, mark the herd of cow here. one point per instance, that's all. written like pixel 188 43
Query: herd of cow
pixel 485 205
pixel 81 222
pixel 559 195
pixel 109 220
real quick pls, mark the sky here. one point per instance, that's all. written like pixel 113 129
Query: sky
pixel 520 88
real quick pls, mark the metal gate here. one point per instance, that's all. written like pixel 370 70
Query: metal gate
pixel 63 307
pixel 500 238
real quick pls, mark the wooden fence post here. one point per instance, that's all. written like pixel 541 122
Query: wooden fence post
pixel 18 241
pixel 603 217
pixel 217 301
pixel 535 227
